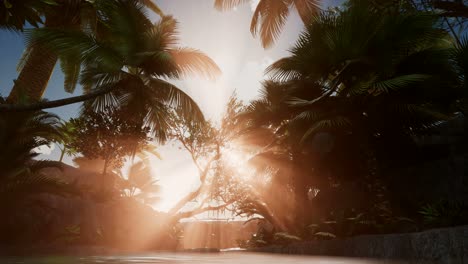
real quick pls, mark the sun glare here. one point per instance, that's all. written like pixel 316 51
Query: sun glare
pixel 238 159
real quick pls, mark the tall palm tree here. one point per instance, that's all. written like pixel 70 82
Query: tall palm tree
pixel 131 61
pixel 346 92
pixel 343 74
pixel 38 61
pixel 270 15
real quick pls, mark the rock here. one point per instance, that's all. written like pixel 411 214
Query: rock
pixel 443 246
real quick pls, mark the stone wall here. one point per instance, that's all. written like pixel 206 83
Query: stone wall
pixel 444 246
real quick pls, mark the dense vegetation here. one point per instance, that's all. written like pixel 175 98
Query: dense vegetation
pixel 338 132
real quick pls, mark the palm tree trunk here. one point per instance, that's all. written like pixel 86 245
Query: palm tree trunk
pixel 35 74
pixel 33 78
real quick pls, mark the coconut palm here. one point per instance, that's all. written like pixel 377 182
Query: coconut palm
pixel 21 176
pixel 270 15
pixel 348 95
pixel 38 61
pixel 141 185
pixel 131 63
pixel 341 74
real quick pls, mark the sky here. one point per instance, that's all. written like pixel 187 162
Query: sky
pixel 224 36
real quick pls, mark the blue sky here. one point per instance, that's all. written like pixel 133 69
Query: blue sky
pixel 224 36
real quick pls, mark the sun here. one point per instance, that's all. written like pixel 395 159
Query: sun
pixel 238 159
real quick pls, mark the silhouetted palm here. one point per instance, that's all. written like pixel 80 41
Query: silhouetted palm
pixel 131 60
pixel 38 61
pixel 347 93
pixel 270 15
pixel 21 176
pixel 348 77
pixel 141 184
pixel 66 129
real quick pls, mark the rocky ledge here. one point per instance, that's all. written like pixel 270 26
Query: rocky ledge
pixel 444 246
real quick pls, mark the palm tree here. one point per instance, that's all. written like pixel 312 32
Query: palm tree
pixel 66 129
pixel 20 135
pixel 21 177
pixel 341 74
pixel 131 62
pixel 38 61
pixel 141 185
pixel 347 94
pixel 270 15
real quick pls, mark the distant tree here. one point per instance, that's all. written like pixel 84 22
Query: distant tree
pixel 141 185
pixel 207 144
pixel 67 137
pixel 107 135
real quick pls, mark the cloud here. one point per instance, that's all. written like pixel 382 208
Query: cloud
pixel 44 149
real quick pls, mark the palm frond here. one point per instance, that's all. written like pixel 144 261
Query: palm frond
pixel 153 7
pixel 338 122
pixel 307 9
pixel 392 84
pixel 157 119
pixel 224 5
pixel 191 61
pixel 70 43
pixel 176 98
pixel 283 70
pixel 268 20
pixel 71 69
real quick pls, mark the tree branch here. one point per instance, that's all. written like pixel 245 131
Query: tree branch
pixel 200 210
pixel 192 195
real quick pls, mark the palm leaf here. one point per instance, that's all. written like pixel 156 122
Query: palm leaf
pixel 338 122
pixel 307 9
pixel 153 7
pixel 71 69
pixel 191 61
pixel 175 97
pixel 400 82
pixel 268 20
pixel 224 5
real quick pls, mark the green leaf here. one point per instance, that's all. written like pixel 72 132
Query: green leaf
pixel 7 4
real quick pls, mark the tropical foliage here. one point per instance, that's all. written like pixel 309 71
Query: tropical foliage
pixel 320 154
pixel 38 61
pixel 106 135
pixel 21 179
pixel 270 16
pixel 130 63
